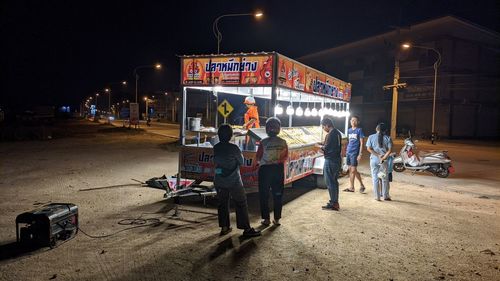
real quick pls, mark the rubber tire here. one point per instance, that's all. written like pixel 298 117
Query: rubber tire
pixel 398 167
pixel 443 174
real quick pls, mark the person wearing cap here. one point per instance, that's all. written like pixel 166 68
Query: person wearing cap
pixel 251 117
pixel 271 157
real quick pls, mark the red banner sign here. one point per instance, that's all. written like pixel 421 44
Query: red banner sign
pixel 233 70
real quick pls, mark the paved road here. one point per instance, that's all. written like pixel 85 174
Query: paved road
pixel 164 129
pixel 477 164
pixel 477 168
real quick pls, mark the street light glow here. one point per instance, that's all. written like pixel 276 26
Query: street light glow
pixel 124 82
pixel 158 66
pixel 406 45
pixel 106 90
pixel 258 14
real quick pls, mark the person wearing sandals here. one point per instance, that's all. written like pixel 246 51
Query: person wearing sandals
pixel 379 145
pixel 271 156
pixel 332 152
pixel 228 183
pixel 353 153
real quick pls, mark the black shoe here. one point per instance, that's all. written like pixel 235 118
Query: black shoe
pixel 251 232
pixel 225 230
pixel 334 207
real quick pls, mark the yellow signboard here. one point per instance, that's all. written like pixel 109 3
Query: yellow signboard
pixel 225 108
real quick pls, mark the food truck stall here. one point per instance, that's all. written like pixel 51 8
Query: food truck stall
pixel 214 88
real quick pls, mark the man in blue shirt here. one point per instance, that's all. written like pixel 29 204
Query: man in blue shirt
pixel 354 153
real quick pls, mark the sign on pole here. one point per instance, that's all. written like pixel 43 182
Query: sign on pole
pixel 134 114
pixel 225 108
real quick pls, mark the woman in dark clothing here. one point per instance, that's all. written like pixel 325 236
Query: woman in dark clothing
pixel 228 184
pixel 271 156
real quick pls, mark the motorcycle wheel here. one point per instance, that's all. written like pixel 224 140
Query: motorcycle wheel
pixel 442 173
pixel 398 167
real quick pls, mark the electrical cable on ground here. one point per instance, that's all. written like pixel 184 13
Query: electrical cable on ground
pixel 137 222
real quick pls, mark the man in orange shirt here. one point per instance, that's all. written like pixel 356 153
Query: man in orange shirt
pixel 252 115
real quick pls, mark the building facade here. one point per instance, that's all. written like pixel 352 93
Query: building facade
pixel 468 78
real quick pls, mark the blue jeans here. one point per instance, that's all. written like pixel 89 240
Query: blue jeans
pixel 331 172
pixel 375 168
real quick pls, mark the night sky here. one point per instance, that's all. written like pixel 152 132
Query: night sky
pixel 59 52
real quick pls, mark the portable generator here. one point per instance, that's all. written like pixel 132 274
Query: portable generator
pixel 47 225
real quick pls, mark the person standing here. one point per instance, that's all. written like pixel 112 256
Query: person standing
pixel 251 117
pixel 332 152
pixel 271 157
pixel 228 183
pixel 353 153
pixel 379 145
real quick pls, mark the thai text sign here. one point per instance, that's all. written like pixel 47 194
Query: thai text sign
pixel 294 75
pixel 228 70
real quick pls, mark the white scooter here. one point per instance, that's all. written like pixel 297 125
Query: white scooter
pixel 435 162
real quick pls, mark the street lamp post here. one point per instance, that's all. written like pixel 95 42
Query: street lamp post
pixel 96 96
pixel 109 98
pixel 215 25
pixel 136 75
pixel 436 66
pixel 108 90
pixel 96 113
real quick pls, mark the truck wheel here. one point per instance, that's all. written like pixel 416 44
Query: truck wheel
pixel 399 167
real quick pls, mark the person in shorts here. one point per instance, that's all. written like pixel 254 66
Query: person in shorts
pixel 354 151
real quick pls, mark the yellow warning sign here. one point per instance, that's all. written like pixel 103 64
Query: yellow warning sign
pixel 225 108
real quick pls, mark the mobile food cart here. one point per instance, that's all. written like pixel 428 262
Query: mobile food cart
pixel 214 88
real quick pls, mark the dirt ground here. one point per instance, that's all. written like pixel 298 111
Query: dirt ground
pixel 426 233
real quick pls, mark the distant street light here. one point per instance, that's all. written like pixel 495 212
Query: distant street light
pixel 108 90
pixel 96 96
pixel 155 66
pixel 436 66
pixel 109 98
pixel 215 25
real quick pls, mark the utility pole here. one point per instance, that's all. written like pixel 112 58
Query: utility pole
pixel 395 86
pixel 394 114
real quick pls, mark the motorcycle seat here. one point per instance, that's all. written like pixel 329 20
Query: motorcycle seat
pixel 423 153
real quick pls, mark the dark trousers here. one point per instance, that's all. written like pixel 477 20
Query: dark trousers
pixel 271 177
pixel 237 193
pixel 331 171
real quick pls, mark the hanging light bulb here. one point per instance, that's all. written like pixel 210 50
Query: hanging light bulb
pixel 307 112
pixel 299 111
pixel 278 109
pixel 335 111
pixel 290 110
pixel 330 111
pixel 321 112
pixel 314 112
